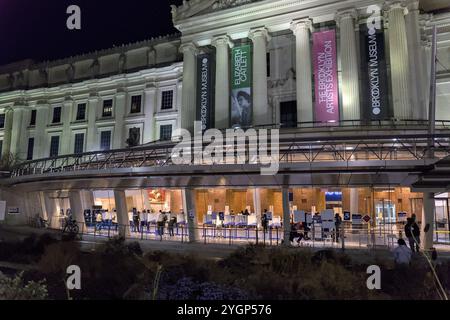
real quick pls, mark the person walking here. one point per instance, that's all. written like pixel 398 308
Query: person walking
pixel 402 254
pixel 162 218
pixel 416 235
pixel 408 233
pixel 171 224
pixel 265 220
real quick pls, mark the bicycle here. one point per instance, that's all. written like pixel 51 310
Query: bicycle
pixel 71 226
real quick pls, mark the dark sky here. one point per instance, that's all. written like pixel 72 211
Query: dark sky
pixel 37 29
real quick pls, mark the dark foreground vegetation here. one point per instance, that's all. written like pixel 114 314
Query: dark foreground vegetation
pixel 117 270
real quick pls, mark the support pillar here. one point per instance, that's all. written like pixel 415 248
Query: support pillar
pixel 77 209
pixel 40 137
pixel 354 201
pixel 92 143
pixel 286 217
pixel 122 212
pixel 261 112
pixel 417 73
pixel 398 50
pixel 257 204
pixel 18 134
pixel 188 196
pixel 66 114
pixel 427 218
pixel 222 106
pixel 349 65
pixel 302 30
pixel 120 136
pixel 188 109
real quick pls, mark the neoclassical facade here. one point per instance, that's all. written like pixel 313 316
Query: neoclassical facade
pixel 347 82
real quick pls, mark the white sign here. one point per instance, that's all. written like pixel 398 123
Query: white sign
pixel 2 210
pixel 13 210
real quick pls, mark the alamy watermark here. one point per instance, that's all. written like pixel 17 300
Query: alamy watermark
pixel 259 147
pixel 74 20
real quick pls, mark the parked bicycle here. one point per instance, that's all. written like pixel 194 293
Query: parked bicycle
pixel 71 226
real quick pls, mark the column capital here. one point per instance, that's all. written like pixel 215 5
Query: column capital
pixel 301 24
pixel 349 13
pixel 259 32
pixel 396 5
pixel 188 47
pixel 41 105
pixel 412 5
pixel 222 40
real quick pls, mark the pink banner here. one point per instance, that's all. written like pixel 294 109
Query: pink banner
pixel 325 75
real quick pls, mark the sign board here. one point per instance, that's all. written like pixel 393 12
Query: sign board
pixel 366 218
pixel 13 210
pixel 241 86
pixel 402 216
pixel 356 218
pixel 2 210
pixel 347 216
pixel 205 90
pixel 326 76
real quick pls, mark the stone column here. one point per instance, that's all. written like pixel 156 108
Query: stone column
pixel 40 137
pixel 261 111
pixel 349 65
pixel 286 216
pixel 188 196
pixel 122 212
pixel 149 111
pixel 7 135
pixel 417 70
pixel 77 208
pixel 257 204
pixel 121 110
pixel 302 29
pixel 222 99
pixel 92 143
pixel 354 201
pixel 426 62
pixel 18 134
pixel 399 61
pixel 427 218
pixel 188 108
pixel 66 118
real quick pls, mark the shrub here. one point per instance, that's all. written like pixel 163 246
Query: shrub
pixel 15 289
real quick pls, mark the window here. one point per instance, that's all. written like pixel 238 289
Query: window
pixel 134 137
pixel 105 140
pixel 165 132
pixel 56 115
pixel 79 143
pixel 30 149
pixel 268 63
pixel 2 121
pixel 136 104
pixel 167 100
pixel 107 108
pixel 54 146
pixel 33 118
pixel 81 112
pixel 1 147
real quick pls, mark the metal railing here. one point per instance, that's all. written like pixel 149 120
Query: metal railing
pixel 295 146
pixel 361 237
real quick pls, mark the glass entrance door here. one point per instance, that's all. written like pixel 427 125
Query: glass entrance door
pixel 385 211
pixel 442 220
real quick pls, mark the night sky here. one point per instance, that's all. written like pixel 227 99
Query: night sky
pixel 36 29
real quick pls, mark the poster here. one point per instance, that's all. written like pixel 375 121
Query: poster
pixel 156 195
pixel 374 73
pixel 205 89
pixel 325 76
pixel 241 83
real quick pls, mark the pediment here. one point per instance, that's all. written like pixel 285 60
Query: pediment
pixel 193 8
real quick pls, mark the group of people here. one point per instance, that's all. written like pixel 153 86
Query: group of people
pixel 139 221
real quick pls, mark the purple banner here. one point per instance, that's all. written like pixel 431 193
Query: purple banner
pixel 325 76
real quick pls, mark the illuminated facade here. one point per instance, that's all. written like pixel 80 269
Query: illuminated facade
pixel 347 83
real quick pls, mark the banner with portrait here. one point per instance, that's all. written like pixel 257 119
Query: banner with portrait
pixel 241 86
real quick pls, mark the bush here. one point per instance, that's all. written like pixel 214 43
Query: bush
pixel 15 289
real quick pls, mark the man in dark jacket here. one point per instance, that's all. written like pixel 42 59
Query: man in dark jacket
pixel 409 233
pixel 416 235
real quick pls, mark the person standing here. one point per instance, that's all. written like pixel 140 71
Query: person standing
pixel 162 218
pixel 416 235
pixel 402 254
pixel 337 224
pixel 265 220
pixel 409 234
